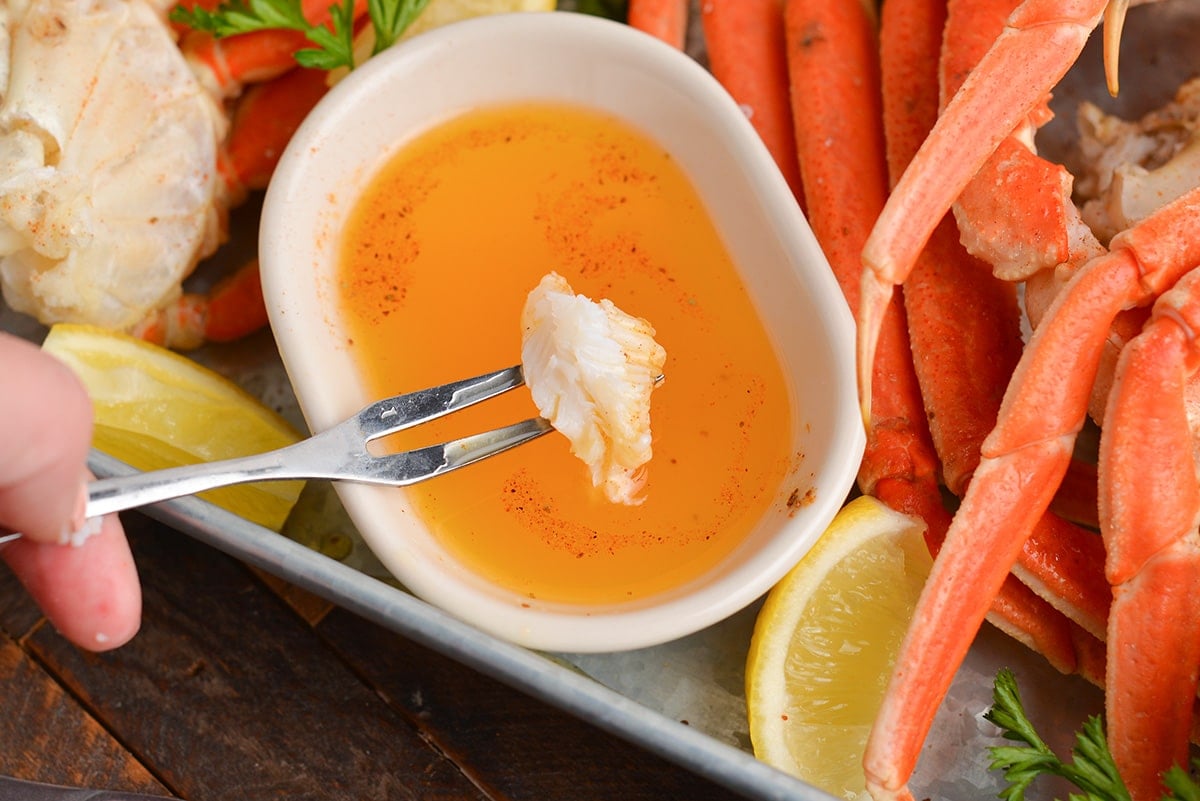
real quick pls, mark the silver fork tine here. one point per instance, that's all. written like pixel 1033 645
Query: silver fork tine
pixel 404 411
pixel 410 467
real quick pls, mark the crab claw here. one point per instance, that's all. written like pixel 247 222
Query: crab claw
pixel 1114 23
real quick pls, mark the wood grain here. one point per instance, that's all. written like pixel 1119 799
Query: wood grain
pixel 525 750
pixel 241 687
pixel 48 737
pixel 227 694
pixel 18 614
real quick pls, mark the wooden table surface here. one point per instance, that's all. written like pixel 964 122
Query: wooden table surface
pixel 240 687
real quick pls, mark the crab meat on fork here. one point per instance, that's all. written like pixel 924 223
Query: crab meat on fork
pixel 591 369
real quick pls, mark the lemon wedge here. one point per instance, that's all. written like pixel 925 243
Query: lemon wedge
pixel 443 12
pixel 825 641
pixel 155 408
pixel 439 13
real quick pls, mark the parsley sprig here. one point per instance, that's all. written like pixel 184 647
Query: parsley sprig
pixel 1092 769
pixel 611 9
pixel 333 43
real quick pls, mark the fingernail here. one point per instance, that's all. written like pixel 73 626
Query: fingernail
pixel 81 527
pixel 79 513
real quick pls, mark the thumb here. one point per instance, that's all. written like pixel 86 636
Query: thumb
pixel 45 433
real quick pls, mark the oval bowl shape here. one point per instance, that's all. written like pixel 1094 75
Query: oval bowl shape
pixel 602 65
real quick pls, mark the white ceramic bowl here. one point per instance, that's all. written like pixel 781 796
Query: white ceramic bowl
pixel 560 56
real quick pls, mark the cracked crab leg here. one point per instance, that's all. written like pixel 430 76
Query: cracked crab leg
pixel 1024 459
pixel 1016 213
pixel 836 80
pixel 1041 40
pixel 1150 511
pixel 964 326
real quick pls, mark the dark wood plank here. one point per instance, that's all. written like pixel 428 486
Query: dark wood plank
pixel 46 736
pixel 312 608
pixel 227 694
pixel 519 748
pixel 18 613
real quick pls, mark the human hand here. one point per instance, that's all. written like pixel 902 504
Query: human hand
pixel 89 590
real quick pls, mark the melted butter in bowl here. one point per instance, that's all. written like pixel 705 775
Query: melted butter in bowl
pixel 410 218
pixel 468 218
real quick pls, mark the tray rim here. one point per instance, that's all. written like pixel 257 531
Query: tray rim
pixel 531 672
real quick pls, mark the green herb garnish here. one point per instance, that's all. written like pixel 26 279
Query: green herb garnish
pixel 612 9
pixel 334 43
pixel 1092 769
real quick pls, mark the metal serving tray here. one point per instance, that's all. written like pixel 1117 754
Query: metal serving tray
pixel 683 700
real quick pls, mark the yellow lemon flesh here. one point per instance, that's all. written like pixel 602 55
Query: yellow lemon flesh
pixel 439 13
pixel 443 12
pixel 825 641
pixel 156 409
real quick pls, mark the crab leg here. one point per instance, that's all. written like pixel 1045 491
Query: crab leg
pixel 1024 459
pixel 233 308
pixel 841 113
pixel 226 65
pixel 1041 40
pixel 666 20
pixel 747 53
pixel 262 124
pixel 964 326
pixel 1016 213
pixel 833 60
pixel 1150 508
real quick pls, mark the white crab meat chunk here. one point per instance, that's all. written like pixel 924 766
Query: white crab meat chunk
pixel 1130 169
pixel 109 190
pixel 591 369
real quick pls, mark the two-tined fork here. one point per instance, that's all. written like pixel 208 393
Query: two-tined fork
pixel 339 453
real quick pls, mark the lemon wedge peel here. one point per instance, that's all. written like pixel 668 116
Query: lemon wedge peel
pixel 155 408
pixel 825 641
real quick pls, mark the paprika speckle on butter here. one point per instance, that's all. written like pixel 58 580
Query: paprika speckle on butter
pixel 437 259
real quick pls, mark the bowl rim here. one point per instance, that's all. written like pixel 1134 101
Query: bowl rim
pixel 547 629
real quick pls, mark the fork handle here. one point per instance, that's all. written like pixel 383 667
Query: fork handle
pixel 119 493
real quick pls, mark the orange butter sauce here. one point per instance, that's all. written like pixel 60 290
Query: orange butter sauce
pixel 438 256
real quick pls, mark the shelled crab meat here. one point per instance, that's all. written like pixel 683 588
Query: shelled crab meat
pixel 109 184
pixel 115 167
pixel 1132 167
pixel 1088 295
